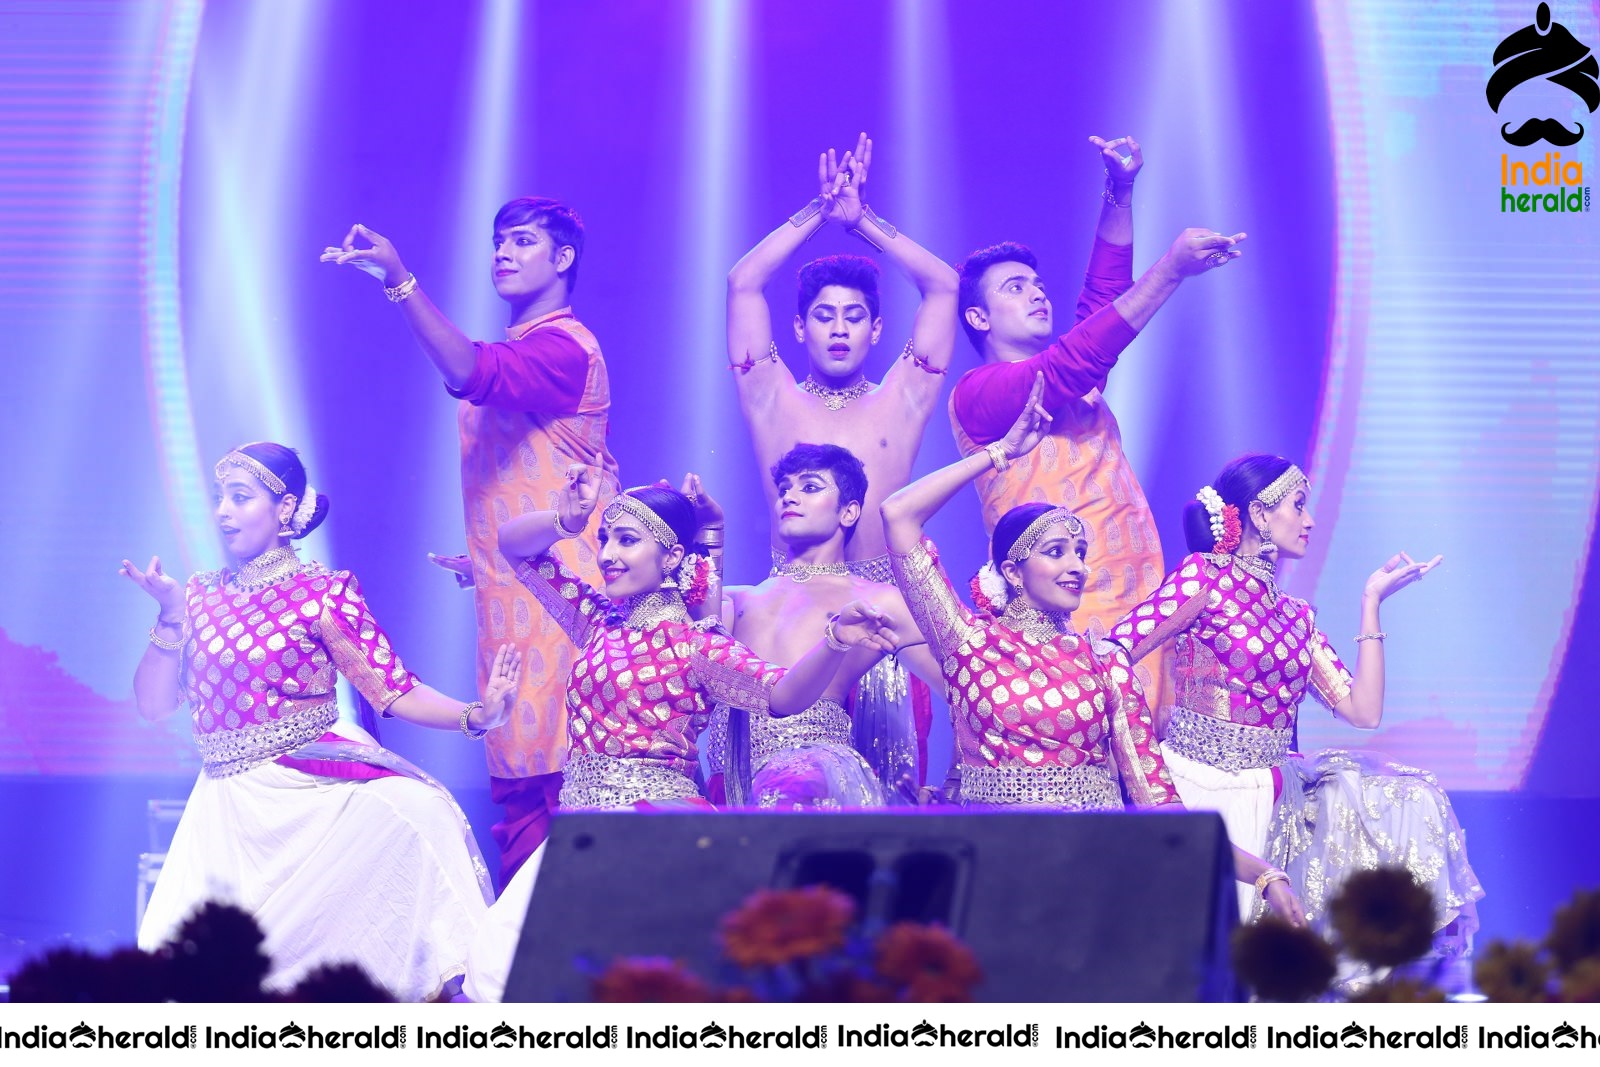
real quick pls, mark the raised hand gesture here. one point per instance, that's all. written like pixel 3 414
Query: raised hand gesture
pixel 459 566
pixel 843 182
pixel 707 512
pixel 501 692
pixel 1395 575
pixel 1198 250
pixel 1121 168
pixel 378 259
pixel 1032 424
pixel 864 626
pixel 578 496
pixel 164 589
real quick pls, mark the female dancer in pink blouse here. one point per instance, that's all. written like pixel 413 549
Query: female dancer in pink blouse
pixel 342 850
pixel 1247 655
pixel 1040 718
pixel 646 676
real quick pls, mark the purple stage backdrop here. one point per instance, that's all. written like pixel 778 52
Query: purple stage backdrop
pixel 173 168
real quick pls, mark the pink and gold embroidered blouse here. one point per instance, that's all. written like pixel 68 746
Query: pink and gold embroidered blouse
pixel 645 677
pixel 1246 653
pixel 1022 698
pixel 260 666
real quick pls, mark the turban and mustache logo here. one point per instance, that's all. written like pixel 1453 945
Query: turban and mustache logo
pixel 1544 50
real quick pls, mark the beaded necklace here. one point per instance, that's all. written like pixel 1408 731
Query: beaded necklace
pixel 834 399
pixel 643 610
pixel 1041 626
pixel 266 570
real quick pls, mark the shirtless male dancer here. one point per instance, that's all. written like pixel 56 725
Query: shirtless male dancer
pixel 838 322
pixel 808 760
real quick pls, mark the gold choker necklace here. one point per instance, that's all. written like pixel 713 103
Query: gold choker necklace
pixel 834 399
pixel 1041 626
pixel 644 610
pixel 268 569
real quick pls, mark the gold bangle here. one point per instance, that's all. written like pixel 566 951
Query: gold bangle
pixel 169 646
pixel 403 291
pixel 564 533
pixel 466 720
pixel 997 453
pixel 1377 636
pixel 1267 877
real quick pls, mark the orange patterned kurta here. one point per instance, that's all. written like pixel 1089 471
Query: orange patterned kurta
pixel 1080 465
pixel 514 458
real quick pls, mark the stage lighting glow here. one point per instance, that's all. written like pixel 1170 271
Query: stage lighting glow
pixel 485 177
pixel 1462 408
pixel 242 267
pixel 717 123
pixel 166 371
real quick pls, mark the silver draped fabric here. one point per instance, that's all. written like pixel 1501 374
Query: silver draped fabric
pixel 885 729
pixel 796 762
pixel 1342 811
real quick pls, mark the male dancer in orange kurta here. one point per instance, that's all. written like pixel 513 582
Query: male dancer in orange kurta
pixel 1080 465
pixel 531 406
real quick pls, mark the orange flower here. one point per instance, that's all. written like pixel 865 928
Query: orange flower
pixel 649 980
pixel 929 962
pixel 777 926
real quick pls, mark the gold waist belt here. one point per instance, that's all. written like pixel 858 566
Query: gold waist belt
pixel 596 782
pixel 1231 746
pixel 228 752
pixel 825 722
pixel 1085 787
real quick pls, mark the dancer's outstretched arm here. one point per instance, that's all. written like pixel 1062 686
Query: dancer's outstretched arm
pixel 156 683
pixel 450 350
pixel 907 511
pixel 1363 706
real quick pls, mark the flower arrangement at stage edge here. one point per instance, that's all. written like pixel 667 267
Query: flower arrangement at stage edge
pixel 650 980
pixel 779 926
pixel 1565 966
pixel 1385 919
pixel 1281 962
pixel 802 945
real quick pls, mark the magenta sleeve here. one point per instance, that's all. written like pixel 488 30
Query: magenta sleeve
pixel 988 399
pixel 543 372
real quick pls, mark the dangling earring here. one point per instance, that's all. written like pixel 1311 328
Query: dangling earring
pixel 1268 549
pixel 285 529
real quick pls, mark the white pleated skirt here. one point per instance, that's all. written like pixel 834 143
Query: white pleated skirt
pixel 376 872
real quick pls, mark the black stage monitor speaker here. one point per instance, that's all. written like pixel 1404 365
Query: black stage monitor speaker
pixel 1057 907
